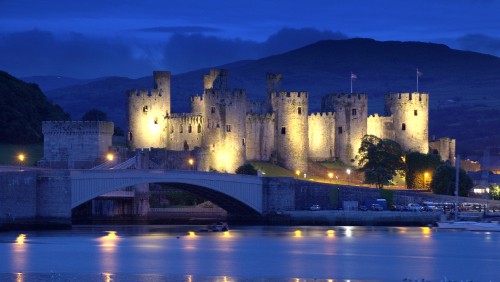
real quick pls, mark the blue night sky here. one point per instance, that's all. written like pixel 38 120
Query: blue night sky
pixel 93 38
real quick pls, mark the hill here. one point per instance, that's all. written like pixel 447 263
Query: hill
pixel 23 107
pixel 456 80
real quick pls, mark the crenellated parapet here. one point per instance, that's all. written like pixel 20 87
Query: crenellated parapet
pixel 256 107
pixel 184 131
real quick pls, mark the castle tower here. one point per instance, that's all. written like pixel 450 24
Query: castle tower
pixel 217 79
pixel 146 113
pixel 410 113
pixel 350 121
pixel 291 137
pixel 273 84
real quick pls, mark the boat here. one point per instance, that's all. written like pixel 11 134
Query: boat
pixel 216 227
pixel 470 225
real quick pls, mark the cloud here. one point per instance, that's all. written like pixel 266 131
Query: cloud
pixel 38 52
pixel 185 52
pixel 179 29
pixel 479 43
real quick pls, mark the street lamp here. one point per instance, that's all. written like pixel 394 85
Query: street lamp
pixel 21 158
pixel 110 157
pixel 297 172
pixel 348 171
pixel 330 175
pixel 191 163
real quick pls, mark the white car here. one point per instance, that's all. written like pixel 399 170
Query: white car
pixel 315 208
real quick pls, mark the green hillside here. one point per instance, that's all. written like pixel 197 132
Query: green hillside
pixel 23 107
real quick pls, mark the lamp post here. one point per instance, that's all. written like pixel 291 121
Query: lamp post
pixel 330 175
pixel 348 171
pixel 191 163
pixel 297 172
pixel 21 158
pixel 110 157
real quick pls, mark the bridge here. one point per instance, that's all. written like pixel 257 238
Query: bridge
pixel 235 193
pixel 51 194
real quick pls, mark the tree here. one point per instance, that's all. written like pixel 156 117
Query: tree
pixel 381 160
pixel 443 181
pixel 94 115
pixel 246 169
pixel 419 168
pixel 495 192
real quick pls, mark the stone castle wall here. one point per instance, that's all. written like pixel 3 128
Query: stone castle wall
pixel 185 131
pixel 76 144
pixel 445 148
pixel 321 136
pixel 260 137
pixel 350 120
pixel 410 113
pixel 380 126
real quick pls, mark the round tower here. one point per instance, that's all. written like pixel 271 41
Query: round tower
pixel 410 113
pixel 351 112
pixel 292 143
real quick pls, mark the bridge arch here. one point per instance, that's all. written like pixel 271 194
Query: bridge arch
pixel 240 194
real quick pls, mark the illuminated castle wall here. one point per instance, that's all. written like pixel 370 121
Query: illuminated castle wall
pixel 228 129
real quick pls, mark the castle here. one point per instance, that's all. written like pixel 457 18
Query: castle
pixel 224 129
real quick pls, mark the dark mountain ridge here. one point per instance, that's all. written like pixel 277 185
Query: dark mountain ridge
pixel 453 78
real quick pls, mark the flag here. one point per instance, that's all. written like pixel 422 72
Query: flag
pixel 419 73
pixel 353 75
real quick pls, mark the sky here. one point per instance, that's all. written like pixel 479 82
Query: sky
pixel 131 38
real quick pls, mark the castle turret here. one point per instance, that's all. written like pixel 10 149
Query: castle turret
pixel 217 79
pixel 410 113
pixel 146 113
pixel 273 84
pixel 291 141
pixel 350 122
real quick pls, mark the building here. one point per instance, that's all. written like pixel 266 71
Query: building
pixel 224 129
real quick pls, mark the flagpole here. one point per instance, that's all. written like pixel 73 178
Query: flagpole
pixel 417 80
pixel 351 82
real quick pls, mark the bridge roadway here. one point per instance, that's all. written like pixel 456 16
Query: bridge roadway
pixel 232 192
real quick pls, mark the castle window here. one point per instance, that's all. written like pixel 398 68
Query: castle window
pixel 212 110
pixel 403 126
pixel 228 128
pixel 130 136
pixel 244 141
pixel 217 126
pixel 190 129
pixel 199 128
pixel 180 129
pixel 415 112
pixel 300 110
pixel 354 112
pixel 283 130
pixel 145 109
pixel 340 129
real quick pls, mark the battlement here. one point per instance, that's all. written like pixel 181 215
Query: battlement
pixel 260 117
pixel 77 127
pixel 414 96
pixel 292 94
pixel 186 118
pixel 322 114
pixel 354 97
pixel 196 98
pixel 144 93
pixel 217 79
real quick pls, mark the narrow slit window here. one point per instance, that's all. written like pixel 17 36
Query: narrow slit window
pixel 180 129
pixel 212 110
pixel 340 129
pixel 283 130
pixel 228 128
pixel 415 112
pixel 190 129
pixel 199 128
pixel 403 126
pixel 299 110
pixel 244 142
pixel 354 112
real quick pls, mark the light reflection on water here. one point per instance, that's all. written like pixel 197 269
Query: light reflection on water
pixel 159 253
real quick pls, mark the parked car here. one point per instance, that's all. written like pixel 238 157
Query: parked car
pixel 414 207
pixel 362 208
pixel 376 207
pixel 315 208
pixel 397 208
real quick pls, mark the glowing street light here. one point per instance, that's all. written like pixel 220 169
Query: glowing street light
pixel 348 171
pixel 110 157
pixel 330 175
pixel 297 172
pixel 21 158
pixel 191 163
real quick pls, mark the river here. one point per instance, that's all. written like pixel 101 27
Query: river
pixel 254 253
